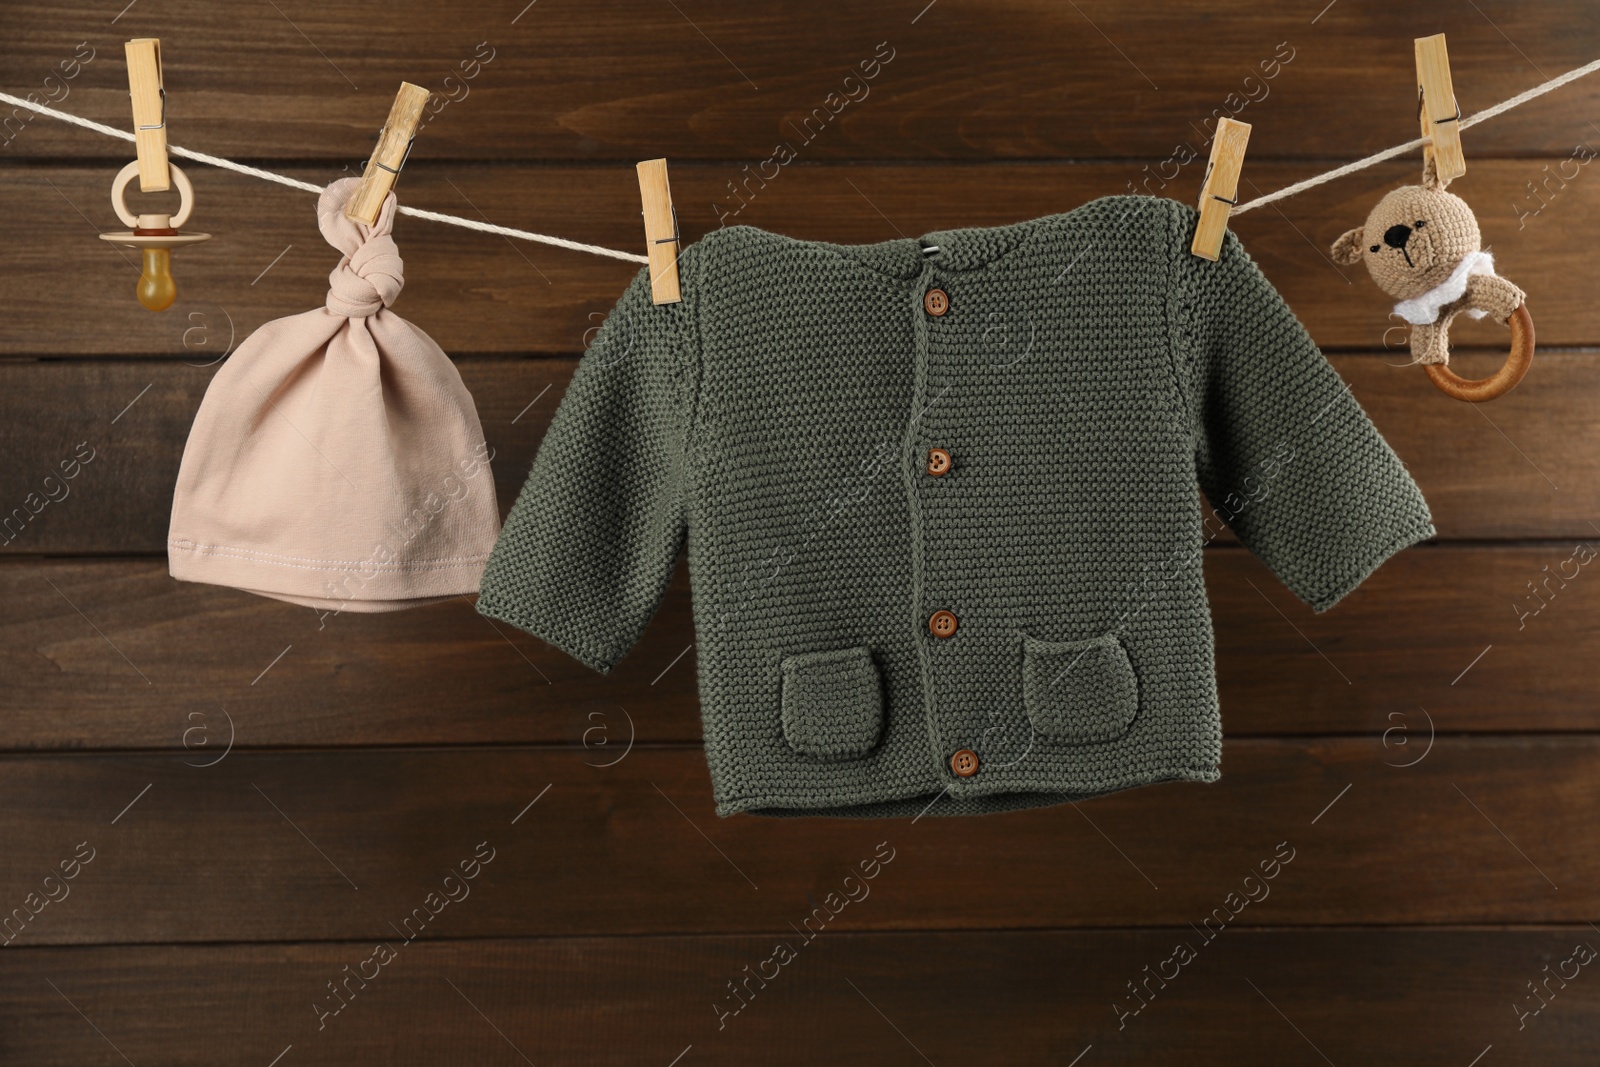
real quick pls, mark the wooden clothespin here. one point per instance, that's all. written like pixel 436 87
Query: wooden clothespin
pixel 394 145
pixel 1437 110
pixel 155 234
pixel 661 235
pixel 1220 189
pixel 149 112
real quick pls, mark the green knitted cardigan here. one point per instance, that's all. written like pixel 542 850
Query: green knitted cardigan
pixel 1087 378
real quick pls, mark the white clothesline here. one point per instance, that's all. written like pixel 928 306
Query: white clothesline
pixel 1401 149
pixel 599 250
pixel 295 183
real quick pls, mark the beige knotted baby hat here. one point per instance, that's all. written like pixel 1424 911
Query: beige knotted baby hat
pixel 337 460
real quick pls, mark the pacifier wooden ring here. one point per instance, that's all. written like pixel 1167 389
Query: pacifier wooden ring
pixel 180 181
pixel 1477 390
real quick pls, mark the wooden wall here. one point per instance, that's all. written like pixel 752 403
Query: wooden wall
pixel 253 803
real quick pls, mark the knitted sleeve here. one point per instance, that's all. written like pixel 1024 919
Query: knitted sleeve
pixel 1285 454
pixel 590 544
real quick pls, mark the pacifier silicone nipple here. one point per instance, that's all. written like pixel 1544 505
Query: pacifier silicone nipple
pixel 157 290
pixel 155 236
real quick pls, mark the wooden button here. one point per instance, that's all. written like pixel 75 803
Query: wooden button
pixel 964 762
pixel 938 461
pixel 942 624
pixel 936 301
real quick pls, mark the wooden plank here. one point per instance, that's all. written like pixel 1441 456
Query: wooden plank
pixel 266 673
pixel 477 293
pixel 960 81
pixel 338 845
pixel 247 817
pixel 1531 469
pixel 131 420
pixel 1530 449
pixel 1387 663
pixel 472 291
pixel 1440 639
pixel 841 998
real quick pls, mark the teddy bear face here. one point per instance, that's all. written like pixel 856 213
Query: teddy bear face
pixel 1412 240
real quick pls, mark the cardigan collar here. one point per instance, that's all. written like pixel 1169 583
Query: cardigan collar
pixel 959 249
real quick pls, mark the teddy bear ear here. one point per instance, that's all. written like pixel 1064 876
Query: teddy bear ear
pixel 1347 249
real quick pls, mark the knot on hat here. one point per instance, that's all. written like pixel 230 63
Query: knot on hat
pixel 367 280
pixel 371 274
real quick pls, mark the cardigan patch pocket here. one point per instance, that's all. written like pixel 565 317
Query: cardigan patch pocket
pixel 832 703
pixel 1079 690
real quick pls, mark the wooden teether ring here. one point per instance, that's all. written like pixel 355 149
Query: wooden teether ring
pixel 1477 390
pixel 180 182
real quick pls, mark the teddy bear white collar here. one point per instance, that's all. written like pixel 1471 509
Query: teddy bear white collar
pixel 1423 309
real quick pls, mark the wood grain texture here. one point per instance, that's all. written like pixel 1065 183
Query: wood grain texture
pixel 1031 80
pixel 199 658
pixel 389 155
pixel 131 420
pixel 1528 468
pixel 477 293
pixel 1439 640
pixel 1248 998
pixel 1427 748
pixel 333 844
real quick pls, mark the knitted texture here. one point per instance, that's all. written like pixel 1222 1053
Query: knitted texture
pixel 1079 690
pixel 1087 378
pixel 1416 243
pixel 1414 237
pixel 832 703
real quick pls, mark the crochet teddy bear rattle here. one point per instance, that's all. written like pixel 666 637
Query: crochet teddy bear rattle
pixel 1421 245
